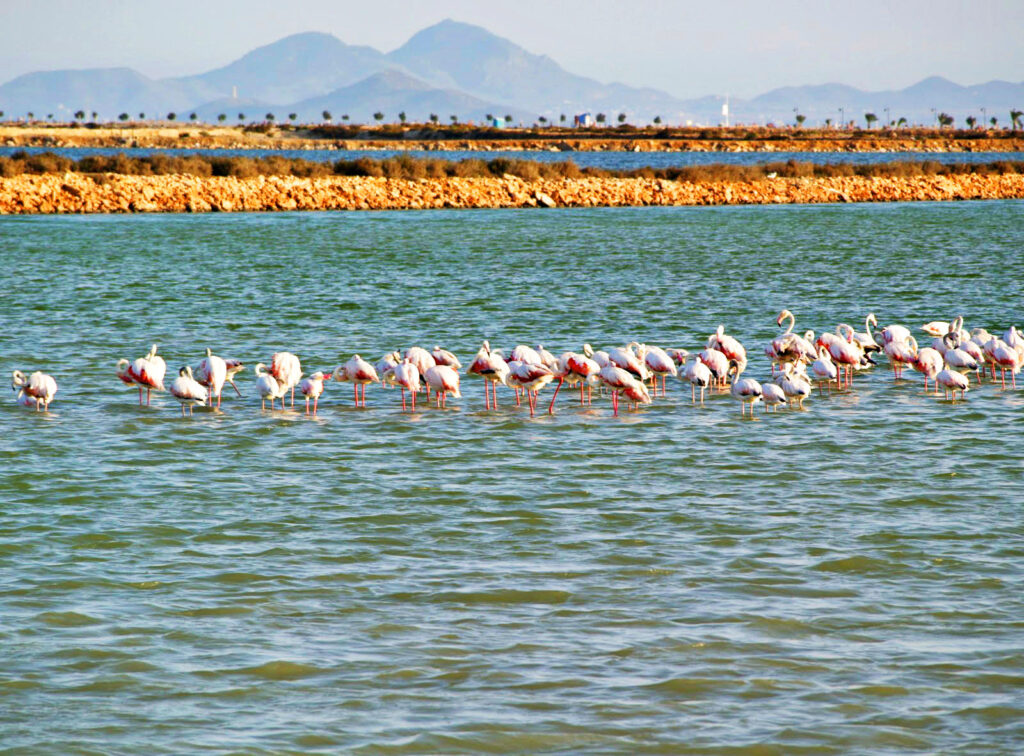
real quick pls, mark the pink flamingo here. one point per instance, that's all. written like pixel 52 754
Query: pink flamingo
pixel 444 357
pixel 312 387
pixel 928 363
pixel 149 372
pixel 39 389
pixel 211 373
pixel 717 363
pixel 622 381
pixel 359 372
pixel 660 364
pixel 745 390
pixel 727 345
pixel 530 377
pixel 188 390
pixel 407 377
pixel 268 387
pixel 286 369
pixel 699 374
pixel 443 380
pixel 901 353
pixel 492 368
pixel 950 380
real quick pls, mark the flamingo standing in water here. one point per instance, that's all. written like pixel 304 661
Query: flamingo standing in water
pixel 312 387
pixel 937 327
pixel 661 365
pixel 717 363
pixel 39 389
pixel 212 372
pixel 148 372
pixel 268 387
pixel 531 377
pixel 867 338
pixel 234 367
pixel 929 363
pixel 772 396
pixel 360 372
pixel 794 385
pixel 824 369
pixel 745 390
pixel 728 346
pixel 1006 358
pixel 950 380
pixel 443 380
pixel 622 381
pixel 788 346
pixel 698 374
pixel 187 390
pixel 579 369
pixel 407 378
pixel 901 353
pixel 423 360
pixel 492 367
pixel 287 371
pixel 444 357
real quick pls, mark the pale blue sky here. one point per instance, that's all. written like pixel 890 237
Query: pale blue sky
pixel 686 48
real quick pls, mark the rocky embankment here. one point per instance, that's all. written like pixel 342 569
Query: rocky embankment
pixel 115 193
pixel 195 137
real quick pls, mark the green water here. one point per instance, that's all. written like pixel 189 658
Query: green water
pixel 840 580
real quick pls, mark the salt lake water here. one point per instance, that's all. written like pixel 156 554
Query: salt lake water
pixel 843 579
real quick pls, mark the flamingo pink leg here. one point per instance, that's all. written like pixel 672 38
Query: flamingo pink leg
pixel 551 406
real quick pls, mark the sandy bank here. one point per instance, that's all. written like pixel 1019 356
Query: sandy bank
pixel 112 193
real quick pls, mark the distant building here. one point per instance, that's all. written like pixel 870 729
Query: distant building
pixel 583 119
pixel 498 123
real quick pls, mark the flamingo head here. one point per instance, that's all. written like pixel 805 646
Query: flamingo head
pixel 152 352
pixel 185 370
pixel 209 352
pixel 340 373
pixel 17 380
pixel 782 316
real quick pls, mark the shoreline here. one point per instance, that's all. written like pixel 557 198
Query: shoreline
pixel 76 193
pixel 197 136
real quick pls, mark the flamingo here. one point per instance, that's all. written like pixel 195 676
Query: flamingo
pixel 717 363
pixel 523 353
pixel 385 368
pixel 531 377
pixel 423 360
pixel 360 372
pixel 1007 358
pixel 444 357
pixel 211 373
pixel 661 365
pixel 901 353
pixel 680 356
pixel 39 389
pixel 794 385
pixel 268 387
pixel 936 327
pixel 286 369
pixel 824 369
pixel 492 368
pixel 893 333
pixel 867 338
pixel 600 356
pixel 950 380
pixel 149 372
pixel 727 345
pixel 312 387
pixel 407 377
pixel 788 346
pixel 124 373
pixel 187 390
pixel 745 390
pixel 698 374
pixel 928 362
pixel 955 357
pixel 443 380
pixel 620 380
pixel 772 396
pixel 546 358
pixel 576 368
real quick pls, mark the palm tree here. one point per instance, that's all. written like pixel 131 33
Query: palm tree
pixel 171 116
pixel 562 118
pixel 489 117
pixel 1015 118
pixel 870 118
pixel 401 116
pixel 123 117
pixel 142 116
pixel 433 118
pixel 945 119
pixel 193 117
pixel 94 114
pixel 800 120
pixel 994 121
pixel 378 116
pixel 901 122
pixel 326 115
pixel 455 118
pixel 222 117
pixel 971 120
pixel 344 116
pixel 30 115
pixel 241 116
pixel 79 115
pixel 622 117
pixel 508 118
pixel 657 120
pixel 542 119
pixel 270 117
pixel 601 117
pixel 292 117
pixel 828 123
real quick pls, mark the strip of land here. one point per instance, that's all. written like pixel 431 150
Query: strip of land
pixel 116 193
pixel 393 137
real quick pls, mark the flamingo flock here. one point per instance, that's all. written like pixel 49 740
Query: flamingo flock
pixel 636 373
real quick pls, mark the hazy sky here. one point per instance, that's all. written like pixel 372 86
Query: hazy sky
pixel 686 48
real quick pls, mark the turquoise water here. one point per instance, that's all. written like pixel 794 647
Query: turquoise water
pixel 840 580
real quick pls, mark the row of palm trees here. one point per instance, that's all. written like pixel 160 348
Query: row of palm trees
pixel 943 119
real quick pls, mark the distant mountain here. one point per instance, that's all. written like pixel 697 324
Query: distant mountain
pixel 391 92
pixel 292 69
pixel 456 68
pixel 470 58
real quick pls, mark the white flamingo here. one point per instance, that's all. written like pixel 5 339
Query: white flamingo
pixel 187 390
pixel 443 380
pixel 211 373
pixel 745 390
pixel 312 387
pixel 407 377
pixel 39 389
pixel 268 387
pixel 287 370
pixel 952 381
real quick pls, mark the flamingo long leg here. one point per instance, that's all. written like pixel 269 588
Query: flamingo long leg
pixel 551 406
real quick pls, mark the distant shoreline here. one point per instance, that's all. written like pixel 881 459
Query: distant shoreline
pixel 113 193
pixel 737 139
